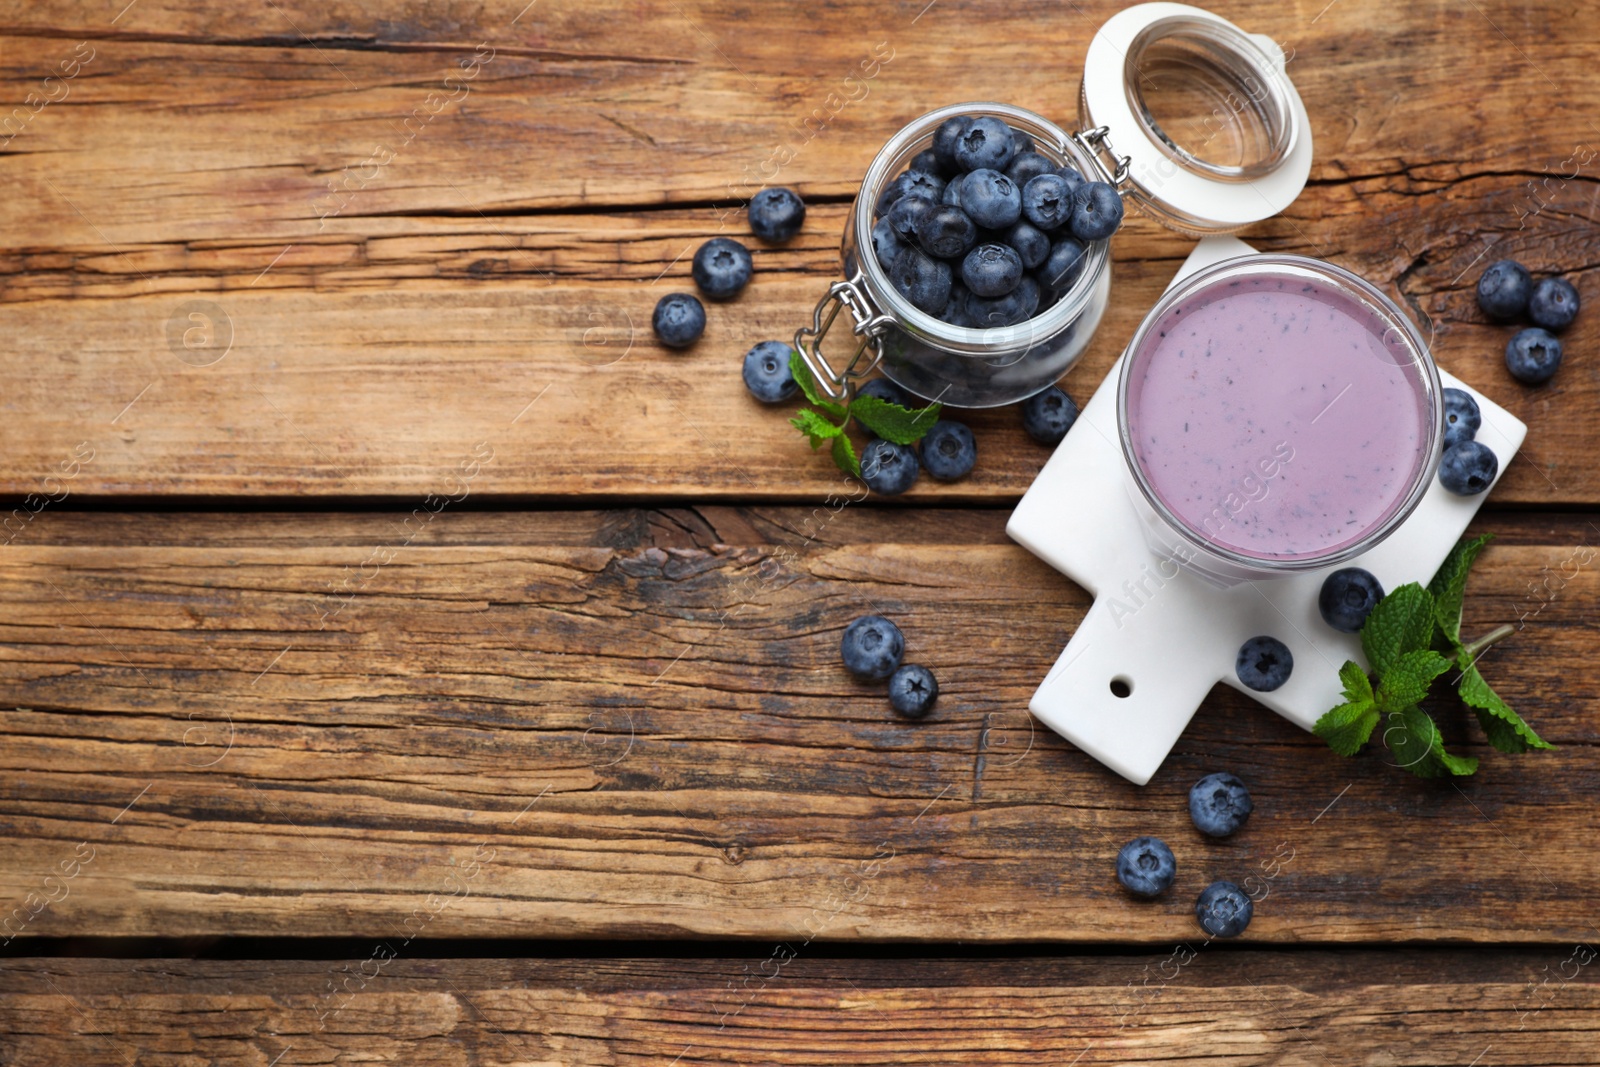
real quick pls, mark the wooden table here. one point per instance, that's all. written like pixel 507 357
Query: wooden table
pixel 412 661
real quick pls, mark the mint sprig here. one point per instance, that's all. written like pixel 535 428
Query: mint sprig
pixel 1412 637
pixel 892 422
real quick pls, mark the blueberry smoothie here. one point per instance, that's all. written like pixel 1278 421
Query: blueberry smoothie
pixel 1278 416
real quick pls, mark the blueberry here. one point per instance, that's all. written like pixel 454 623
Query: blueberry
pixel 991 270
pixel 1467 469
pixel 1048 415
pixel 1027 166
pixel 1072 178
pixel 679 320
pixel 766 372
pixel 927 161
pixel 992 199
pixel 949 451
pixel 1146 867
pixel 1219 804
pixel 945 139
pixel 1063 265
pixel 1031 245
pixel 1264 664
pixel 721 268
pixel 1533 356
pixel 985 144
pixel 1016 306
pixel 1553 305
pixel 906 213
pixel 945 231
pixel 955 309
pixel 1096 212
pixel 1047 201
pixel 1223 909
pixel 952 191
pixel 909 182
pixel 1347 598
pixel 1503 289
pixel 921 279
pixel 1461 417
pixel 912 691
pixel 886 243
pixel 776 214
pixel 871 647
pixel 888 468
pixel 1021 143
pixel 885 390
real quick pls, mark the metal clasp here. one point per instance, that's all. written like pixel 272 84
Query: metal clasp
pixel 867 323
pixel 1094 142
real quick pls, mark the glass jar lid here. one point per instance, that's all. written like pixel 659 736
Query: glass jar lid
pixel 1198 114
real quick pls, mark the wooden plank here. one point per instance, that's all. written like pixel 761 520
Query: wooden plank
pixel 637 727
pixel 1191 1004
pixel 500 257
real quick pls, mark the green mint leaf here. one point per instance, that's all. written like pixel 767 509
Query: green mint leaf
pixel 1402 622
pixel 902 425
pixel 1407 681
pixel 1449 587
pixel 1356 686
pixel 808 386
pixel 1413 738
pixel 1347 727
pixel 844 455
pixel 1505 729
pixel 815 427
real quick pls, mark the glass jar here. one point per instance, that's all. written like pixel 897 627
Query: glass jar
pixel 1277 414
pixel 1150 74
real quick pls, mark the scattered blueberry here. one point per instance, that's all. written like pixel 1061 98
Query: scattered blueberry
pixel 921 279
pixel 1031 245
pixel 888 468
pixel 776 214
pixel 945 139
pixel 1461 417
pixel 679 320
pixel 991 270
pixel 912 691
pixel 1533 356
pixel 1027 166
pixel 871 647
pixel 721 268
pixel 1048 415
pixel 949 451
pixel 767 374
pixel 1219 804
pixel 1347 598
pixel 1048 201
pixel 945 232
pixel 1223 909
pixel 1146 867
pixel 1019 305
pixel 986 143
pixel 1503 289
pixel 907 213
pixel 1468 468
pixel 1264 663
pixel 1553 305
pixel 992 199
pixel 1062 266
pixel 1096 212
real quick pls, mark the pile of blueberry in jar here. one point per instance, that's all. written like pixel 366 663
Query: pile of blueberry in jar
pixel 984 231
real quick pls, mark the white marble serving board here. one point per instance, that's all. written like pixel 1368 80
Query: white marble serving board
pixel 1172 638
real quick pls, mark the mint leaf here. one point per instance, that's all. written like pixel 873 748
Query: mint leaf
pixel 1407 682
pixel 815 427
pixel 1347 727
pixel 892 422
pixel 808 386
pixel 1505 729
pixel 1402 622
pixel 1415 742
pixel 1449 587
pixel 844 455
pixel 1356 686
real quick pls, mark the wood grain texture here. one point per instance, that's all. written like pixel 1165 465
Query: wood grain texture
pixel 1190 1005
pixel 633 724
pixel 511 245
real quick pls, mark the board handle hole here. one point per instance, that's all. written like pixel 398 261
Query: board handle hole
pixel 1121 687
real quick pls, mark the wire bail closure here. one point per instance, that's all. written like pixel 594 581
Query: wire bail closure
pixel 867 323
pixel 1095 142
